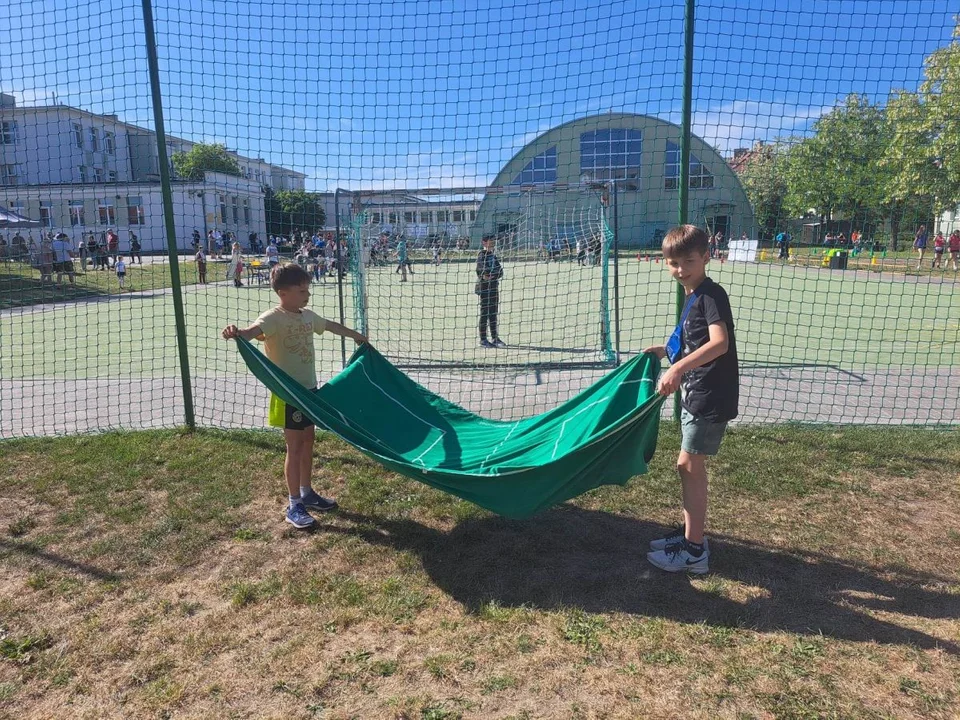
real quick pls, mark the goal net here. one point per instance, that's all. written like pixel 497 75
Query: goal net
pixel 551 308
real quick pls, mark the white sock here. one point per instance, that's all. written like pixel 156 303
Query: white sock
pixel 304 491
pixel 294 501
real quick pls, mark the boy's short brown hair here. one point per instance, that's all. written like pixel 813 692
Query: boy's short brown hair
pixel 287 275
pixel 685 240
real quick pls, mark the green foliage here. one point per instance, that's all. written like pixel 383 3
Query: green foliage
pixel 835 171
pixel 290 211
pixel 766 187
pixel 202 158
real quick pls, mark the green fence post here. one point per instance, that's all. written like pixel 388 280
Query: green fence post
pixel 171 229
pixel 682 210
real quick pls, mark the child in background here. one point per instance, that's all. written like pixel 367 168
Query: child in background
pixel 121 269
pixel 954 246
pixel 201 259
pixel 939 245
pixel 287 332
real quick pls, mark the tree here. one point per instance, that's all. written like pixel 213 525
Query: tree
pixel 835 171
pixel 766 187
pixel 941 99
pixel 910 177
pixel 202 158
pixel 288 211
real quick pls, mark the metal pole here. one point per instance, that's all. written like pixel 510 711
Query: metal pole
pixel 616 272
pixel 170 226
pixel 336 211
pixel 682 209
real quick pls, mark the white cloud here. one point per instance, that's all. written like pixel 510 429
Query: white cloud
pixel 742 122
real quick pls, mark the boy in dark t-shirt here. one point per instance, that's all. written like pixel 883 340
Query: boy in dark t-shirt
pixel 703 356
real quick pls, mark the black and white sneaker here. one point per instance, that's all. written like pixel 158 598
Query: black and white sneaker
pixel 678 558
pixel 671 538
pixel 498 343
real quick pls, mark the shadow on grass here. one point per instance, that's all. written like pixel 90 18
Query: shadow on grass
pixel 570 557
pixel 28 550
pixel 20 291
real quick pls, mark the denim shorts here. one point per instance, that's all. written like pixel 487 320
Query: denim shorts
pixel 700 437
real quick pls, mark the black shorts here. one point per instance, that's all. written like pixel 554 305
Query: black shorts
pixel 287 416
pixel 65 266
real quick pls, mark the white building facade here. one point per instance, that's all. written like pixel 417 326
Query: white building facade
pixel 80 173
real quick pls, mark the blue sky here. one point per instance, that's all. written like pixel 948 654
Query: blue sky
pixel 442 93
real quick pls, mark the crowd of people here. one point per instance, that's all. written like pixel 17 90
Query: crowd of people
pixel 941 246
pixel 56 253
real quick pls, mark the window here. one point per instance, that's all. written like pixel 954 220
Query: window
pixel 394 218
pixel 78 135
pixel 700 177
pixel 376 218
pixel 458 216
pixel 246 211
pixel 473 215
pixel 106 212
pixel 76 213
pixel 8 174
pixel 112 176
pixel 223 208
pixel 83 173
pixel 443 216
pixel 98 175
pixel 94 139
pixel 17 207
pixel 46 214
pixel 135 214
pixel 612 154
pixel 425 216
pixel 236 210
pixel 8 132
pixel 110 143
pixel 542 169
pixel 408 217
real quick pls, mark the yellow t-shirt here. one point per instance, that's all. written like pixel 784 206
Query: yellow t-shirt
pixel 288 341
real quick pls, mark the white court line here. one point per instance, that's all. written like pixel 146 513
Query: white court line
pixel 505 438
pixel 563 427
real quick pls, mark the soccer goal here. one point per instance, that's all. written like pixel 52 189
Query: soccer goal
pixel 413 269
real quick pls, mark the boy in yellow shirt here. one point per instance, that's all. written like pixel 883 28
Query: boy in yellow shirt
pixel 287 332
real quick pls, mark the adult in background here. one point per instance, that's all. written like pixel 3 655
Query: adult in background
pixel 46 259
pixel 920 244
pixel 953 245
pixel 63 258
pixel 273 255
pixel 82 254
pixel 113 245
pixel 101 262
pixel 489 273
pixel 235 266
pixel 135 248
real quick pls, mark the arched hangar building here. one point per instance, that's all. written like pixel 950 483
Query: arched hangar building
pixel 640 152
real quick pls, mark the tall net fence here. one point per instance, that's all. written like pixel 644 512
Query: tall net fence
pixel 346 137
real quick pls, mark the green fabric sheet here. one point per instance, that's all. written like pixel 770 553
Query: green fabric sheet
pixel 603 436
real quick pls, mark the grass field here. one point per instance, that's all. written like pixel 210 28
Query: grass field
pixel 149 575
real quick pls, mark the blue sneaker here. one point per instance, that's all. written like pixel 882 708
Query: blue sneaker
pixel 318 502
pixel 299 517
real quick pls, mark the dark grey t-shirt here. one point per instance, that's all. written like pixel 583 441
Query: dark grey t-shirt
pixel 710 392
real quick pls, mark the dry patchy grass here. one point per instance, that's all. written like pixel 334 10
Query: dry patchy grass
pixel 149 575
